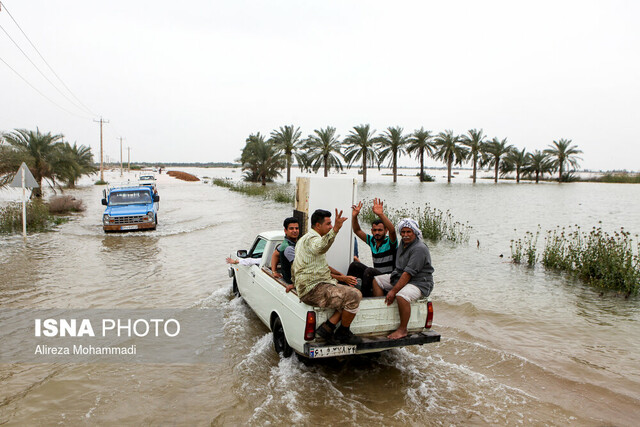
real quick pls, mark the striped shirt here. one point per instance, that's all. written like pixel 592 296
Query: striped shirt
pixel 384 257
pixel 310 266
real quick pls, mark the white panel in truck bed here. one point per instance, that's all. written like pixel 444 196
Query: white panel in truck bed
pixel 331 194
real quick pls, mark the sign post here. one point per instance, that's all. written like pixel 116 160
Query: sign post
pixel 24 178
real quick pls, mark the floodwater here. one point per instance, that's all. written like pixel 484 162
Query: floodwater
pixel 519 345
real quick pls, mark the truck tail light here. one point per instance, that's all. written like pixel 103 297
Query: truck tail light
pixel 310 326
pixel 429 315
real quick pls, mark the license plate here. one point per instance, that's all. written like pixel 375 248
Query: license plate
pixel 129 227
pixel 334 350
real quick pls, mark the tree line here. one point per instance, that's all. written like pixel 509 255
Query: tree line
pixel 264 157
pixel 46 155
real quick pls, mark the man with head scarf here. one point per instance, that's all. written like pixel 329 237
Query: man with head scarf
pixel 412 276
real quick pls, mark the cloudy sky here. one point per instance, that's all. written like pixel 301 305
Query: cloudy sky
pixel 189 81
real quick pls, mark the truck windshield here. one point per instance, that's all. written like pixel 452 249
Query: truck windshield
pixel 129 198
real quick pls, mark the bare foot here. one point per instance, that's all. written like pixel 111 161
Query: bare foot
pixel 399 333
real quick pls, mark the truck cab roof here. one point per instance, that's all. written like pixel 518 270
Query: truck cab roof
pixel 272 235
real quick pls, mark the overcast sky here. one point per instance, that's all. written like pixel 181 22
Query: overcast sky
pixel 189 81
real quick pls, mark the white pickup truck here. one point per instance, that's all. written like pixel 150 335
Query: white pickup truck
pixel 294 323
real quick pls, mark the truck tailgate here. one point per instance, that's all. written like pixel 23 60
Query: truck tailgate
pixel 376 318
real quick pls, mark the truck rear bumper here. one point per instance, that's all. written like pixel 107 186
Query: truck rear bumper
pixel 370 345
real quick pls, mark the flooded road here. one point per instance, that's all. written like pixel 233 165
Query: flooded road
pixel 519 345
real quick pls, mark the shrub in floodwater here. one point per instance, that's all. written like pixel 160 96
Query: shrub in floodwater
pixel 101 182
pixel 434 224
pixel 38 217
pixel 426 177
pixel 525 249
pixel 280 194
pixel 516 251
pixel 555 252
pixel 64 204
pixel 609 261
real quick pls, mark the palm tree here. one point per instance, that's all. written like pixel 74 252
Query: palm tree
pixel 361 143
pixel 260 159
pixel 494 152
pixel 287 140
pixel 392 143
pixel 71 162
pixel 448 148
pixel 538 163
pixel 323 150
pixel 10 161
pixel 419 143
pixel 40 150
pixel 475 141
pixel 516 160
pixel 562 151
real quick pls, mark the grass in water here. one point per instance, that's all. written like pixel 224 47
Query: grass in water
pixel 435 224
pixel 608 261
pixel 278 193
pixel 622 178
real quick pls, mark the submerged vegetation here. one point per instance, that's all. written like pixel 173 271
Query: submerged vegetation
pixel 39 217
pixel 279 193
pixel 619 178
pixel 60 205
pixel 435 224
pixel 525 249
pixel 609 261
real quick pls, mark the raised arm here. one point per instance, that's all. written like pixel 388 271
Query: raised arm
pixel 378 209
pixel 355 211
pixel 321 245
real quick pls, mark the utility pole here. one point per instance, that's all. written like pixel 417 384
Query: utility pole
pixel 101 121
pixel 120 156
pixel 129 159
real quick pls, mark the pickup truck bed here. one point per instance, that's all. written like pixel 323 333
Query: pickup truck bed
pixel 293 322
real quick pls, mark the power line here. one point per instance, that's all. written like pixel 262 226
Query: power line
pixel 42 94
pixel 37 68
pixel 45 61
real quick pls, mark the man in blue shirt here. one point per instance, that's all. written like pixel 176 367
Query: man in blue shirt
pixel 383 247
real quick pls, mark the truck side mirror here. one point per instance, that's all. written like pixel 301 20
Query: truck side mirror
pixel 156 198
pixel 104 202
pixel 242 253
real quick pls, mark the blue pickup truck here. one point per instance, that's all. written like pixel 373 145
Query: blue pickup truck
pixel 130 207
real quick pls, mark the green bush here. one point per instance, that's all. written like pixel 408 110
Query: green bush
pixel 605 260
pixel 38 217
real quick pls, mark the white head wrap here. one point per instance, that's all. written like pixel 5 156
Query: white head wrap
pixel 409 223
